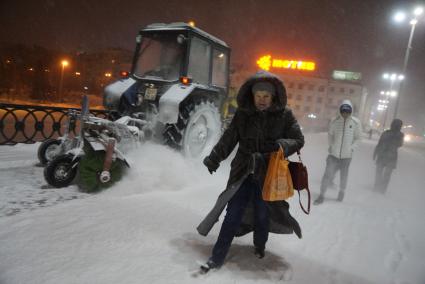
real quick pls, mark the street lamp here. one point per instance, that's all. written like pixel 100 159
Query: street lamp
pixel 64 64
pixel 418 11
pixel 400 17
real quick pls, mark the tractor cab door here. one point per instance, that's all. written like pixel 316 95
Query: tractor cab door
pixel 199 61
pixel 208 63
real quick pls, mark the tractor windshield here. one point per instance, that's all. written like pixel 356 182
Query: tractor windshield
pixel 160 57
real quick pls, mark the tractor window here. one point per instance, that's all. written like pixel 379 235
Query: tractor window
pixel 199 61
pixel 160 57
pixel 219 70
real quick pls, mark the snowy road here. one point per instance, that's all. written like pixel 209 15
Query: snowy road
pixel 143 229
pixel 22 186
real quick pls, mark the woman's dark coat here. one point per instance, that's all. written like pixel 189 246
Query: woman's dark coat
pixel 386 151
pixel 250 128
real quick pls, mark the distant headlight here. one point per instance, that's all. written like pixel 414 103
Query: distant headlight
pixel 407 138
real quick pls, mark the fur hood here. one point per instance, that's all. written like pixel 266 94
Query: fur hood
pixel 245 97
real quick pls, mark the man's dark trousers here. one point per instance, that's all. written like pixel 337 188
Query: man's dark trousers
pixel 333 165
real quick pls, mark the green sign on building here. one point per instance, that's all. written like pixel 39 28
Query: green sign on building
pixel 346 75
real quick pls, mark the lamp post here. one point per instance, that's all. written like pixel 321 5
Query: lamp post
pixel 384 104
pixel 391 93
pixel 64 63
pixel 383 107
pixel 400 17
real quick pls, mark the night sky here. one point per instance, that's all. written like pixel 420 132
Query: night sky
pixel 346 35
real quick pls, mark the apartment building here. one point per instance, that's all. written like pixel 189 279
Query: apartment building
pixel 315 101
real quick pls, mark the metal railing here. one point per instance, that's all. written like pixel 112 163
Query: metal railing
pixel 32 123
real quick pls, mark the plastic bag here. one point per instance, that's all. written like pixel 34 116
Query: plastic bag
pixel 278 182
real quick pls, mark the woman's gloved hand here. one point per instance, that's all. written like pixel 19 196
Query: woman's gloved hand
pixel 211 164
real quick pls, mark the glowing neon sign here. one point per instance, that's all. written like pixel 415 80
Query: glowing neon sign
pixel 266 62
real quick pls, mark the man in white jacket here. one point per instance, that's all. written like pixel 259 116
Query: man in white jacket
pixel 344 135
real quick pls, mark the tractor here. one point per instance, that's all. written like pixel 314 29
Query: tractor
pixel 178 81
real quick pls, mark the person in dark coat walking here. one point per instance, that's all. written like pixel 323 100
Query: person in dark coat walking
pixel 385 154
pixel 262 123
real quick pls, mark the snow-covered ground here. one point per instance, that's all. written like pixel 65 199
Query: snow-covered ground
pixel 143 229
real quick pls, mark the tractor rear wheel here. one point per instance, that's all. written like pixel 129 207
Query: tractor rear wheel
pixel 197 129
